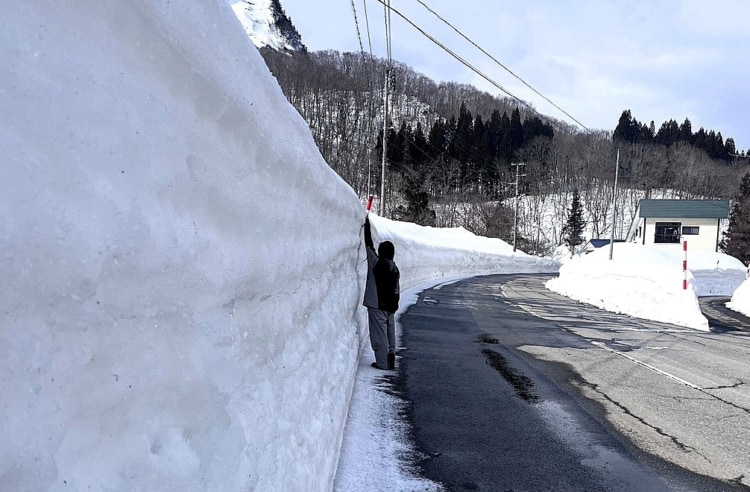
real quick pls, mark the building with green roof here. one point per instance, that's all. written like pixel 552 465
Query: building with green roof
pixel 669 223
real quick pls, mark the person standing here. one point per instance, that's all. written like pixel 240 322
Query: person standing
pixel 382 295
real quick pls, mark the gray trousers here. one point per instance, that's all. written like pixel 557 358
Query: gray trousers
pixel 382 335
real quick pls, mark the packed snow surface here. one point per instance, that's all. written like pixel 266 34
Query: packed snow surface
pixel 647 282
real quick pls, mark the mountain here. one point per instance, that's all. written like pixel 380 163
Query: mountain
pixel 267 24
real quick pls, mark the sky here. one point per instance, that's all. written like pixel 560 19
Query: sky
pixel 187 272
pixel 594 59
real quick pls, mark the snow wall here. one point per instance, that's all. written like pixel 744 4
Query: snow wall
pixel 181 270
pixel 427 253
pixel 183 273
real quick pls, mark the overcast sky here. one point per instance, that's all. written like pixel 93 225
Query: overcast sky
pixel 662 59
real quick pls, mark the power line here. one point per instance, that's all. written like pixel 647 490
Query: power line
pixel 387 12
pixel 356 25
pixel 470 66
pixel 503 66
pixel 367 24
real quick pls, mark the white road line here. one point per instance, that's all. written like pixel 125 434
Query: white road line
pixel 648 366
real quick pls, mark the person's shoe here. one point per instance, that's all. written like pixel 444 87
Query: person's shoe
pixel 391 360
pixel 376 366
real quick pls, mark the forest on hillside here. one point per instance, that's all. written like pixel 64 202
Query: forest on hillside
pixel 459 156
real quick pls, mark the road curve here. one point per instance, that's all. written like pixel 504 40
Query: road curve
pixel 512 387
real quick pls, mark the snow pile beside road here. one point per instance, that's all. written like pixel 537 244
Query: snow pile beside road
pixel 429 253
pixel 741 299
pixel 647 282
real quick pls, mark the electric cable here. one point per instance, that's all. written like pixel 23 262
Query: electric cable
pixel 503 66
pixel 356 25
pixel 470 66
pixel 367 25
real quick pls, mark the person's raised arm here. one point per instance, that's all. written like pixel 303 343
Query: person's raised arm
pixel 368 234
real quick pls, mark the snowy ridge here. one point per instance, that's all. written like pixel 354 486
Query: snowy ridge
pixel 257 18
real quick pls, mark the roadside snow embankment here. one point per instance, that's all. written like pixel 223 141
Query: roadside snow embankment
pixel 169 318
pixel 647 282
pixel 429 253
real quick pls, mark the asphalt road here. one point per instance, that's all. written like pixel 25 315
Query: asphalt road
pixel 510 387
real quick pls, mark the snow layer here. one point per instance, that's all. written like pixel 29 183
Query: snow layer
pixel 182 269
pixel 741 298
pixel 429 253
pixel 255 17
pixel 647 282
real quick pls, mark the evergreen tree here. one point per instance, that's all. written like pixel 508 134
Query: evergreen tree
pixel 438 139
pixel 669 133
pixel 505 147
pixel 736 240
pixel 686 131
pixel 729 148
pixel 417 209
pixel 420 151
pixel 573 230
pixel 626 129
pixel 494 131
pixel 462 142
pixel 480 158
pixel 516 131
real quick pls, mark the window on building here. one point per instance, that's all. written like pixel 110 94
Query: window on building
pixel 667 232
pixel 690 230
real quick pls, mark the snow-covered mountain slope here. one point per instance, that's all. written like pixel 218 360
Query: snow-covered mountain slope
pixel 267 24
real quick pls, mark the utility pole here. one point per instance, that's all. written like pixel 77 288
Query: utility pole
pixel 369 175
pixel 517 165
pixel 385 141
pixel 614 207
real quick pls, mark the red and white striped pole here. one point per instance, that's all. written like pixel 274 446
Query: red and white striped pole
pixel 684 266
pixel 369 203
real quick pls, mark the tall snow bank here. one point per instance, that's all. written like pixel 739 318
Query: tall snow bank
pixel 647 282
pixel 429 253
pixel 171 317
pixel 740 301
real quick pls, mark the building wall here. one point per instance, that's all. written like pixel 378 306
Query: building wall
pixel 705 240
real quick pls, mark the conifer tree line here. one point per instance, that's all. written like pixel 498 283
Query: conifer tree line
pixel 451 148
pixel 712 143
pixel 736 242
pixel 481 151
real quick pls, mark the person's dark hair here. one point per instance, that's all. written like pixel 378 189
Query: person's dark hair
pixel 386 250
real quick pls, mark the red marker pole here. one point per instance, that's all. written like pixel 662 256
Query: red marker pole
pixel 684 266
pixel 369 203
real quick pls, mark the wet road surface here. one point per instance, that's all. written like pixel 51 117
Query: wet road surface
pixel 511 387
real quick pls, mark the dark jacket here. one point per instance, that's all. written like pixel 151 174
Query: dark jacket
pixel 387 281
pixel 382 290
pixel 371 292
